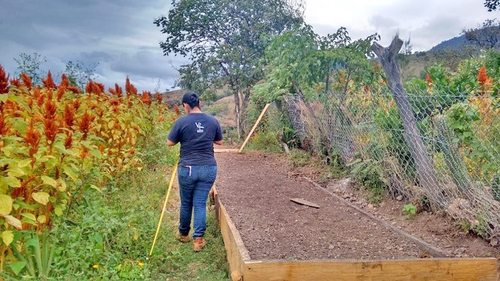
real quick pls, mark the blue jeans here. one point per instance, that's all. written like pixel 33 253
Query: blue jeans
pixel 195 183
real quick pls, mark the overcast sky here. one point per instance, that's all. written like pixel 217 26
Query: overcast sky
pixel 120 35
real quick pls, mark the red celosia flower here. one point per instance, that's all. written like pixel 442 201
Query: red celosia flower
pixel 73 89
pixel 89 88
pixel 49 82
pixel 50 130
pixel 114 102
pixel 26 80
pixel 64 81
pixel 15 82
pixel 84 152
pixel 40 100
pixel 129 88
pixel 49 94
pixel 117 91
pixel 85 124
pixel 146 97
pixel 481 76
pixel 76 104
pixel 68 141
pixel 32 139
pixel 60 92
pixel 62 87
pixel 158 97
pixel 428 78
pixel 99 88
pixel 3 125
pixel 36 93
pixel 50 109
pixel 69 115
pixel 101 148
pixel 4 81
pixel 176 109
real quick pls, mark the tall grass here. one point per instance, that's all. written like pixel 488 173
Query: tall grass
pixel 108 237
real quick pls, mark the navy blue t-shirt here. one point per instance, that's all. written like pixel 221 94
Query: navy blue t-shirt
pixel 196 132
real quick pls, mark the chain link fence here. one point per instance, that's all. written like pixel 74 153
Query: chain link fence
pixel 449 161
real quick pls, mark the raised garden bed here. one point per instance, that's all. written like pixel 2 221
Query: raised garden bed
pixel 270 237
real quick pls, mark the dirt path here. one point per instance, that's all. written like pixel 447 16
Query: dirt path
pixel 256 190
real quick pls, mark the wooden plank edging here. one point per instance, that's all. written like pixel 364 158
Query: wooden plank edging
pixel 394 270
pixel 236 251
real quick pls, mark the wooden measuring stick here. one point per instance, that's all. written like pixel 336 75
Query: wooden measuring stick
pixel 254 127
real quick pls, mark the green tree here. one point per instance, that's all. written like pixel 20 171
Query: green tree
pixel 79 74
pixel 486 36
pixel 225 41
pixel 492 5
pixel 315 68
pixel 30 64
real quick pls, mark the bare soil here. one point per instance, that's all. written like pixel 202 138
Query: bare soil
pixel 256 189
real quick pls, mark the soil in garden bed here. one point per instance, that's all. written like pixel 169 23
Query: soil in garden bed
pixel 256 189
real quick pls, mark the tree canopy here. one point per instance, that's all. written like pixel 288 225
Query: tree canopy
pixel 225 39
pixel 487 36
pixel 492 5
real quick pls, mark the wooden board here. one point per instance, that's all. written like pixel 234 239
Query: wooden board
pixel 235 249
pixel 304 202
pixel 394 270
pixel 225 150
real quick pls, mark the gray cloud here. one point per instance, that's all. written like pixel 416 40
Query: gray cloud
pixel 426 22
pixel 119 35
pixel 379 21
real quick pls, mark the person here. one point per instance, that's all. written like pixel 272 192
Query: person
pixel 197 133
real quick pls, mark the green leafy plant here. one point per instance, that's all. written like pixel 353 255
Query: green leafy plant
pixel 34 254
pixel 409 210
pixel 368 172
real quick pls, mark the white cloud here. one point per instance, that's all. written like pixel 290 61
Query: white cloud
pixel 427 22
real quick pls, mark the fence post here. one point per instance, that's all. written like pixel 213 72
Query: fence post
pixel 387 57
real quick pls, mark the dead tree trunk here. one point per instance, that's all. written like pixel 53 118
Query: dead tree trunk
pixel 412 135
pixel 292 105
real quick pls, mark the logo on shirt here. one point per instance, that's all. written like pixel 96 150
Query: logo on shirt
pixel 199 126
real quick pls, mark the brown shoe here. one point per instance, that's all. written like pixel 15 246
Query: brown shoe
pixel 182 238
pixel 199 243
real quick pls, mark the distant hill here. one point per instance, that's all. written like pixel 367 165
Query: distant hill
pixel 453 44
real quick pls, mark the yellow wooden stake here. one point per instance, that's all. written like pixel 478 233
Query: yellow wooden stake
pixel 254 127
pixel 174 172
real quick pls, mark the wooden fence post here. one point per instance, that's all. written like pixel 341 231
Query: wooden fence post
pixel 428 180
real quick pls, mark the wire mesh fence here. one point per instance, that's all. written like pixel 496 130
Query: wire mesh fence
pixel 445 155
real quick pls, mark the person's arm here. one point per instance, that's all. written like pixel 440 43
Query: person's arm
pixel 218 134
pixel 173 136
